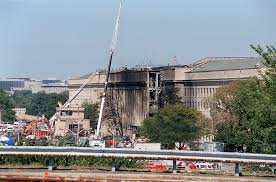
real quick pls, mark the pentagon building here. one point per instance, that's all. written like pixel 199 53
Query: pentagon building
pixel 136 91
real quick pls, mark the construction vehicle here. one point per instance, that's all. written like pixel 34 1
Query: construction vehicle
pixel 38 129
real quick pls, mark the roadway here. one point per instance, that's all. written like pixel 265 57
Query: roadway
pixel 94 175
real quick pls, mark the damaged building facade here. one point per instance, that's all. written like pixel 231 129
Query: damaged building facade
pixel 135 93
pixel 132 94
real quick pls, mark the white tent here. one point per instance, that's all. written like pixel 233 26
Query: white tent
pixel 4 139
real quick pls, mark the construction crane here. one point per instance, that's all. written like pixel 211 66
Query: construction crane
pixel 111 52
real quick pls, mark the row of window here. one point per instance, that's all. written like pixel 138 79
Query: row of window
pixel 11 84
pixel 199 92
pixel 55 89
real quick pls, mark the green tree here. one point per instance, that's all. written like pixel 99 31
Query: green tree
pixel 169 95
pixel 46 104
pixel 22 99
pixel 247 117
pixel 6 106
pixel 221 110
pixel 269 77
pixel 246 111
pixel 173 124
pixel 54 98
pixel 40 104
pixel 91 111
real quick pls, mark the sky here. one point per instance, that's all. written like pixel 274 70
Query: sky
pixel 68 38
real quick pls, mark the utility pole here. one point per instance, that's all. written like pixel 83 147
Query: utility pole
pixel 111 52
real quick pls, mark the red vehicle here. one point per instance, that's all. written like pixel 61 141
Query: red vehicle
pixel 111 142
pixel 157 165
pixel 152 166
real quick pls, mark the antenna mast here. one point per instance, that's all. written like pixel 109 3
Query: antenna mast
pixel 111 52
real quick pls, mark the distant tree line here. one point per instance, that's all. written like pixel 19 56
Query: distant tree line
pixel 91 112
pixel 6 106
pixel 35 104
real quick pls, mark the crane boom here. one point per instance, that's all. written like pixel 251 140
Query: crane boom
pixel 111 52
pixel 67 103
pixel 80 89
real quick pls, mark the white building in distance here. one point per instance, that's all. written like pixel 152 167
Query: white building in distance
pixel 47 86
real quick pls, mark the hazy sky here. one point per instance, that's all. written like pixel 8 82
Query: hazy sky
pixel 68 38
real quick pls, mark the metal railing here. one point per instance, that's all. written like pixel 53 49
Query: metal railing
pixel 174 155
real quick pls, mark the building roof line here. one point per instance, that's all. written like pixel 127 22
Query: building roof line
pixel 216 58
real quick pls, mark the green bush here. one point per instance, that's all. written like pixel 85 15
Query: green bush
pixel 70 161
